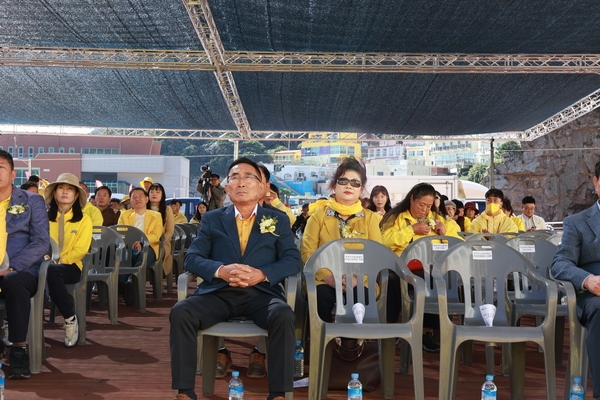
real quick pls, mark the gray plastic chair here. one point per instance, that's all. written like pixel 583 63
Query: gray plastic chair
pixel 208 338
pixel 465 235
pixel 156 270
pixel 361 257
pixel 105 268
pixel 541 234
pixel 78 292
pixel 131 234
pixel 35 330
pixel 529 300
pixel 487 266
pixel 428 250
pixel 175 242
pixel 578 364
pixel 490 237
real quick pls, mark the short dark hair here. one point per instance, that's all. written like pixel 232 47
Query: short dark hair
pixel 494 193
pixel 6 155
pixel 34 178
pixel 528 200
pixel 215 176
pixel 138 188
pixel 244 160
pixel 103 187
pixel 274 188
pixel 459 204
pixel 115 200
pixel 265 172
pixel 175 201
pixel 28 185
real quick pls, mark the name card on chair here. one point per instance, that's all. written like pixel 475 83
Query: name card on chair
pixel 439 246
pixel 527 248
pixel 482 255
pixel 354 258
pixel 96 236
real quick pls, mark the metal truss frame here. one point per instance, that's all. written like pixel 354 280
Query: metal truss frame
pixel 205 27
pixel 223 63
pixel 571 113
pixel 215 58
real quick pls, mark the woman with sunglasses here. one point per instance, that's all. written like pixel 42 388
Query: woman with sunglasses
pixel 340 216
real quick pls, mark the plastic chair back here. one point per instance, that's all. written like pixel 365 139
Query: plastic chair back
pixel 105 267
pixel 360 258
pixel 491 237
pixel 130 235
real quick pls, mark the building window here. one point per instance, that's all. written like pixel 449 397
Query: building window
pixel 40 150
pixel 20 152
pixel 30 152
pixel 10 150
pixel 71 150
pixel 61 149
pixel 50 149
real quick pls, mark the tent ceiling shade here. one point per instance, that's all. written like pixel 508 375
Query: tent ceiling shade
pixel 67 83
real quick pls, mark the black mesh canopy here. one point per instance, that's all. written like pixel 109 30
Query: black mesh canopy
pixel 391 103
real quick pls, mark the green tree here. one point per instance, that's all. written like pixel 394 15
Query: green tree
pixel 506 150
pixel 478 172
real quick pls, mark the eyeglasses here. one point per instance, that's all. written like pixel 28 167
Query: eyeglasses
pixel 246 178
pixel 355 183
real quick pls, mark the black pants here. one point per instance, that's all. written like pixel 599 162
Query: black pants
pixel 326 300
pixel 58 276
pixel 588 305
pixel 18 287
pixel 203 311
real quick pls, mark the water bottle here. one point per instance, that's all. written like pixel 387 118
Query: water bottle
pixel 354 388
pixel 1 383
pixel 577 392
pixel 488 390
pixel 299 360
pixel 236 387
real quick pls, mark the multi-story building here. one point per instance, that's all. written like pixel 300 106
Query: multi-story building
pixel 329 148
pixel 116 161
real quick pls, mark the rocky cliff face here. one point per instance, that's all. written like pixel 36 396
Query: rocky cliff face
pixel 556 169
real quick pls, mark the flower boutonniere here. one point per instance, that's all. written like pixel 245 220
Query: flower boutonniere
pixel 17 209
pixel 349 233
pixel 429 221
pixel 268 225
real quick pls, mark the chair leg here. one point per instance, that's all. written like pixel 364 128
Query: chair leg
pixel 80 306
pixel 386 366
pixel 559 338
pixel 417 360
pixel 517 375
pixel 209 370
pixel 447 373
pixel 140 297
pixel 489 358
pixel 113 304
pixel 315 368
pixel 36 337
pixel 170 282
pixel 405 356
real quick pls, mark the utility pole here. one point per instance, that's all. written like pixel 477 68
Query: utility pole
pixel 492 165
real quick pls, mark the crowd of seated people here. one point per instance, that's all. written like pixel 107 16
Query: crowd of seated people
pixel 68 217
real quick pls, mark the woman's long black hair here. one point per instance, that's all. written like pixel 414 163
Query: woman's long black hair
pixel 417 191
pixel 162 205
pixel 197 215
pixel 76 207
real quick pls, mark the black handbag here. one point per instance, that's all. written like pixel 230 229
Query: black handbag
pixel 351 355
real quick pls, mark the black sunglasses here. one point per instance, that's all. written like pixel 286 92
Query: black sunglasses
pixel 355 183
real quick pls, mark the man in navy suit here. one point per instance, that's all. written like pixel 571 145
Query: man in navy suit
pixel 28 241
pixel 243 253
pixel 578 261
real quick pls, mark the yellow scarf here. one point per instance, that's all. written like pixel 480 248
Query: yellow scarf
pixel 335 206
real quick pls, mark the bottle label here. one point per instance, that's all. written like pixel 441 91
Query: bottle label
pixel 236 392
pixel 576 396
pixel 488 395
pixel 298 355
pixel 355 393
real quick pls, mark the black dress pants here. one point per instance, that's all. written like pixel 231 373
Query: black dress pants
pixel 203 311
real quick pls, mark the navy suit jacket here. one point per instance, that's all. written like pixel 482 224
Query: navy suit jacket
pixel 218 244
pixel 28 232
pixel 578 254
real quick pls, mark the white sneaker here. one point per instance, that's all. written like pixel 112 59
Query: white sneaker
pixel 71 332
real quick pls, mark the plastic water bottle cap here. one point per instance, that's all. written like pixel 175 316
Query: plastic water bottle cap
pixel 354 375
pixel 489 377
pixel 577 379
pixel 298 341
pixel 235 373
